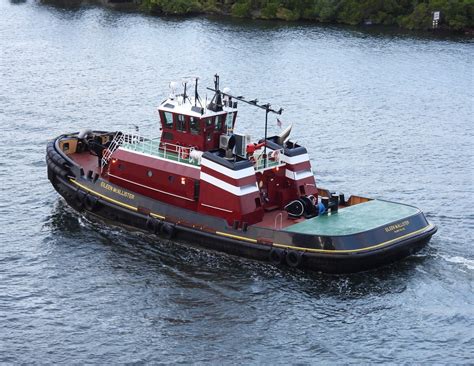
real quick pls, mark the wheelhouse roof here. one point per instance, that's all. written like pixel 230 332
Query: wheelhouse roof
pixel 176 105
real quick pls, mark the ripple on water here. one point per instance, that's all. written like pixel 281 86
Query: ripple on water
pixel 382 113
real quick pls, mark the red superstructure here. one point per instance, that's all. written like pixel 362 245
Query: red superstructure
pixel 200 164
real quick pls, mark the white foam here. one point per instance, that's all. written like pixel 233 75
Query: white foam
pixel 469 263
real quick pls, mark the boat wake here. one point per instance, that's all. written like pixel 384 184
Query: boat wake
pixel 465 262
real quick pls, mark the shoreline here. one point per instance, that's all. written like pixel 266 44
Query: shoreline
pixel 228 10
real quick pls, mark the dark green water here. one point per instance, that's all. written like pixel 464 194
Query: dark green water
pixel 382 113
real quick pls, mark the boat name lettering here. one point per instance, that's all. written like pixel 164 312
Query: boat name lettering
pixel 117 190
pixel 396 228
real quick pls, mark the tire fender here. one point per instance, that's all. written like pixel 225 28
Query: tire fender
pixel 153 225
pixel 294 258
pixel 90 202
pixel 167 230
pixel 79 199
pixel 276 256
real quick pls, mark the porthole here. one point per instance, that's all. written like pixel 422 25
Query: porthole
pixel 150 174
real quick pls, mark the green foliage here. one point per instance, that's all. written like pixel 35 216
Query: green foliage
pixel 210 6
pixel 269 11
pixel 178 7
pixel 411 14
pixel 350 13
pixel 322 10
pixel 419 19
pixel 241 9
pixel 287 14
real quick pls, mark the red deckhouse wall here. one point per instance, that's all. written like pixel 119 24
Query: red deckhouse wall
pixel 217 187
pixel 199 132
pixel 231 194
pixel 159 179
pixel 213 188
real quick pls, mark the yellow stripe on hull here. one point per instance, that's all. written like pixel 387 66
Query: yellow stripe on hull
pixel 236 237
pixel 426 228
pixel 113 200
pixel 276 245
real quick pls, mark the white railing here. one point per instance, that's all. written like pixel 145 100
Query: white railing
pixel 116 142
pixel 178 152
pixel 156 147
pixel 270 161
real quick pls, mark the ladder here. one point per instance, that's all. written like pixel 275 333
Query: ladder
pixel 116 142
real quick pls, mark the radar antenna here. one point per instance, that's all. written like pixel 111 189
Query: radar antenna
pixel 254 102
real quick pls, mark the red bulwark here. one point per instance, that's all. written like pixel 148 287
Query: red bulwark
pixel 233 195
pixel 163 180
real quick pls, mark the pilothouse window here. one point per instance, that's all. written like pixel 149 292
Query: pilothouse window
pixel 209 122
pixel 168 119
pixel 229 120
pixel 181 123
pixel 220 122
pixel 194 126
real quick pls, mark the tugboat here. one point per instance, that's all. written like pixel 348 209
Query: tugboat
pixel 203 183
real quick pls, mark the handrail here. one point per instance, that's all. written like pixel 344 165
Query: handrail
pixel 272 160
pixel 280 215
pixel 162 149
pixel 116 142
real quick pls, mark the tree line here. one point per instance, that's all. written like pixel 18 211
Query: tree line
pixel 457 15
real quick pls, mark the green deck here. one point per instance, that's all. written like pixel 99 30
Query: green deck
pixel 152 147
pixel 355 219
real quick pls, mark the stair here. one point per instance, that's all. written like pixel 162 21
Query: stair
pixel 116 142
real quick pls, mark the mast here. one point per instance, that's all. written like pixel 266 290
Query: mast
pixel 184 94
pixel 196 92
pixel 267 109
pixel 253 102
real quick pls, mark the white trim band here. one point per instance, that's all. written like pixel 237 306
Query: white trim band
pixel 153 189
pixel 235 174
pixel 295 159
pixel 302 174
pixel 216 208
pixel 237 191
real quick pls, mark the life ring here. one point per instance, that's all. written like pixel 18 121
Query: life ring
pixel 293 258
pixel 90 202
pixel 276 256
pixel 167 230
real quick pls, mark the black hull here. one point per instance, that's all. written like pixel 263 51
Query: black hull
pixel 62 175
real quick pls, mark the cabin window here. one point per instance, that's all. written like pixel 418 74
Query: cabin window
pixel 209 136
pixel 229 120
pixel 209 122
pixel 194 126
pixel 220 122
pixel 181 122
pixel 168 121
